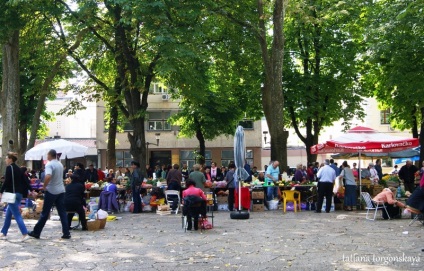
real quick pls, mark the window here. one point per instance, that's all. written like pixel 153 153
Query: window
pixel 246 124
pixel 158 121
pixel 123 158
pixel 189 158
pixel 385 116
pixel 227 156
pixel 156 88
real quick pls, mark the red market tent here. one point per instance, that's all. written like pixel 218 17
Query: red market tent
pixel 365 140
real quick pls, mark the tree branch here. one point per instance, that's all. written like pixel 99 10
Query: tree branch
pixel 89 26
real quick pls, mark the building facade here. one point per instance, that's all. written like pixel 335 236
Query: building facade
pixel 173 149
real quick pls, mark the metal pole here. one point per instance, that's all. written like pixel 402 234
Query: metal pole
pixel 147 153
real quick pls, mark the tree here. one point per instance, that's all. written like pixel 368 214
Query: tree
pixel 321 69
pixel 219 86
pixel 395 62
pixel 9 101
pixel 141 38
pixel 265 22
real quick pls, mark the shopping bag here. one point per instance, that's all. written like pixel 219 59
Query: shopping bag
pixel 8 197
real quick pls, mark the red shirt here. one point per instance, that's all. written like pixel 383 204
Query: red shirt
pixel 101 175
pixel 194 191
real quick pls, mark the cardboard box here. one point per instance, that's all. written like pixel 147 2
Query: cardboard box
pixel 258 208
pixel 258 201
pixel 258 195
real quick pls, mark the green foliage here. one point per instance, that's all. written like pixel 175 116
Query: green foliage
pixel 395 62
pixel 321 69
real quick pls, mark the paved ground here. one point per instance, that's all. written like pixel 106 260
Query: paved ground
pixel 267 241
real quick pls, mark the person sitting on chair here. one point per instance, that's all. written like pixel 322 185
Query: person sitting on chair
pixel 388 196
pixel 74 201
pixel 108 198
pixel 392 205
pixel 194 204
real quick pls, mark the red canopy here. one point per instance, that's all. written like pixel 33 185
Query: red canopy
pixel 365 140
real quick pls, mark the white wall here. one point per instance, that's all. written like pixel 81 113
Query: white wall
pixel 80 125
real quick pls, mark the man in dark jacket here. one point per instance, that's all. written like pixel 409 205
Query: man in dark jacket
pixel 407 174
pixel 174 177
pixel 91 174
pixel 136 182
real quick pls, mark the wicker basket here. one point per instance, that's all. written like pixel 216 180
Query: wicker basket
pixel 93 225
pixel 102 223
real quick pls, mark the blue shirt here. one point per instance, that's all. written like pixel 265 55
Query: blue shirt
pixel 111 187
pixel 326 174
pixel 274 172
pixel 336 169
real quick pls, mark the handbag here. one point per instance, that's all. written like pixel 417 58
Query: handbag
pixel 8 197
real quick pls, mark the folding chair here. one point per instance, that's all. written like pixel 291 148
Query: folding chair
pixel 373 205
pixel 418 216
pixel 174 195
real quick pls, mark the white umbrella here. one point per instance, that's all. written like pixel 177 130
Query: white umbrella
pixel 66 148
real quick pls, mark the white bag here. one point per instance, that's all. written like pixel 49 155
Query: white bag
pixel 101 214
pixel 8 197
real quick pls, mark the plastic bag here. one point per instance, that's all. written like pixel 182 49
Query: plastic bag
pixel 101 214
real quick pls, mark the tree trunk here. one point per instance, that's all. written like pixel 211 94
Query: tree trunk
pixel 10 94
pixel 138 143
pixel 272 90
pixel 23 139
pixel 414 128
pixel 421 138
pixel 111 137
pixel 202 145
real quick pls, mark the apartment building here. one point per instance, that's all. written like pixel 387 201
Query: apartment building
pixel 172 148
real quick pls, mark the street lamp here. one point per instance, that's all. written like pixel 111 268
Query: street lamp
pixel 157 136
pixel 265 134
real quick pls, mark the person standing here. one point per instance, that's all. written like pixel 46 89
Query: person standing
pixel 326 176
pixel 334 166
pixel 350 186
pixel 54 194
pixel 373 174
pixel 198 177
pixel 407 174
pixel 174 178
pixel 379 169
pixel 100 174
pixel 229 178
pixel 136 182
pixel 80 171
pixel 215 172
pixel 14 182
pixel 91 174
pixel 184 171
pixel 271 178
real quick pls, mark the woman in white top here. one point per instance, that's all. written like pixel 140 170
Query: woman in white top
pixel 350 186
pixel 374 174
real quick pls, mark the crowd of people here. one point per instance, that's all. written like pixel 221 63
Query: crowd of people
pixel 71 198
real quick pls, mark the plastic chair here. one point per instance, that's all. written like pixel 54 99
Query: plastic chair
pixel 170 200
pixel 291 196
pixel 373 205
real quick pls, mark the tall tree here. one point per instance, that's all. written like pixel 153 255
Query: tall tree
pixel 140 37
pixel 265 22
pixel 395 62
pixel 321 68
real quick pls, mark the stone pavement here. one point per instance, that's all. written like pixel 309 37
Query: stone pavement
pixel 267 241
